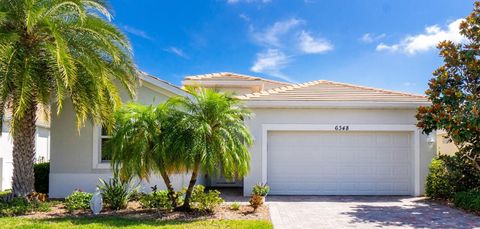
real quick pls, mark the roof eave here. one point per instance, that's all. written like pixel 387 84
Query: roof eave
pixel 334 104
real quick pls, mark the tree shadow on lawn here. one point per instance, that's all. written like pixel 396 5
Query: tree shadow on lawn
pixel 423 213
pixel 117 221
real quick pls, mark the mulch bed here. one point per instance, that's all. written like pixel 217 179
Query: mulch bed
pixel 134 211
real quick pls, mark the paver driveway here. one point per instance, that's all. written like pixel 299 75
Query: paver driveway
pixel 365 212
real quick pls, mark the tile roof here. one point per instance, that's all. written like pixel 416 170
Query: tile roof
pixel 323 90
pixel 226 76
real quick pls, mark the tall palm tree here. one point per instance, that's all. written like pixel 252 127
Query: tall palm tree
pixel 211 134
pixel 52 51
pixel 138 145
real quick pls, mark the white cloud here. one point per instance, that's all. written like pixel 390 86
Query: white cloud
pixel 371 37
pixel 308 44
pixel 426 41
pixel 177 51
pixel 271 61
pixel 247 1
pixel 136 32
pixel 244 17
pixel 271 35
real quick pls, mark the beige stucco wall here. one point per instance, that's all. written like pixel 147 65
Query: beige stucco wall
pixel 72 150
pixel 444 146
pixel 329 116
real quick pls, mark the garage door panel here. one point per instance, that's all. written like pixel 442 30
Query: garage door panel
pixel 339 163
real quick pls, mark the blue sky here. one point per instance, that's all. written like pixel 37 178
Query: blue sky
pixel 379 43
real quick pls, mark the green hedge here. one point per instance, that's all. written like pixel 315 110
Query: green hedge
pixel 42 172
pixel 467 200
pixel 449 175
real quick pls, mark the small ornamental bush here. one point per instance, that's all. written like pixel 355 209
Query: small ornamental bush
pixel 78 201
pixel 41 171
pixel 21 206
pixel 16 206
pixel 449 175
pixel 260 189
pixel 439 184
pixel 205 201
pixel 469 201
pixel 235 206
pixel 256 201
pixel 157 199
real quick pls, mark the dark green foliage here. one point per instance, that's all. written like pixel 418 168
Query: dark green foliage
pixel 78 201
pixel 468 200
pixel 157 199
pixel 205 201
pixel 454 91
pixel 451 174
pixel 117 193
pixel 439 183
pixel 21 206
pixel 42 172
pixel 17 206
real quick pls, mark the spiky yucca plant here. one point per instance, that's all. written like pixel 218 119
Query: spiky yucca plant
pixel 53 51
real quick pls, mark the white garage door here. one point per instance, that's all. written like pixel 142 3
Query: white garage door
pixel 339 163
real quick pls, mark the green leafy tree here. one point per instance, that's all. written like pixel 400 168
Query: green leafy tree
pixel 140 144
pixel 210 135
pixel 52 51
pixel 455 91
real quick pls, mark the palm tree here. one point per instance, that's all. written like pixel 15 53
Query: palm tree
pixel 211 134
pixel 52 51
pixel 138 145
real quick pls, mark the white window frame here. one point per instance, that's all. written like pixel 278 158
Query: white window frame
pixel 97 162
pixel 352 127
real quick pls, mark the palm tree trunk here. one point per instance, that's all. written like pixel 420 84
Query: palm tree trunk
pixel 171 191
pixel 24 153
pixel 193 180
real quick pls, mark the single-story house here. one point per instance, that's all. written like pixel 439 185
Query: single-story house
pixel 315 138
pixel 42 147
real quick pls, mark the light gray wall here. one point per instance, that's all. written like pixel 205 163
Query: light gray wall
pixel 328 116
pixel 72 149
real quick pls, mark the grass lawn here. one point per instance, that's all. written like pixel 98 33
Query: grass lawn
pixel 111 222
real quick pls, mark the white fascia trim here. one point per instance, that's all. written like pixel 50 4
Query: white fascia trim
pixel 352 127
pixel 96 157
pixel 164 85
pixel 331 104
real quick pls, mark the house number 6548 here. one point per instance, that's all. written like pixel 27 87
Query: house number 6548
pixel 341 128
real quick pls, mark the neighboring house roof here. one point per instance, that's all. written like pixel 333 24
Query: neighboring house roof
pixel 162 84
pixel 229 76
pixel 323 92
pixel 42 116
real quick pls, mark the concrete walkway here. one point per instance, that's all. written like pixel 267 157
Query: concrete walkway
pixel 365 212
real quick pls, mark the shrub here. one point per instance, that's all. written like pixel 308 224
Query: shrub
pixel 439 183
pixel 16 206
pixel 235 206
pixel 451 174
pixel 157 199
pixel 78 201
pixel 468 200
pixel 42 172
pixel 117 193
pixel 260 189
pixel 256 201
pixel 205 201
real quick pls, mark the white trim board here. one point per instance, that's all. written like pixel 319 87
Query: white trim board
pixel 351 127
pixel 96 157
